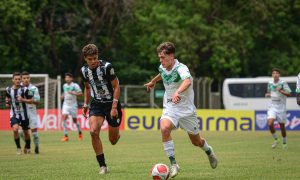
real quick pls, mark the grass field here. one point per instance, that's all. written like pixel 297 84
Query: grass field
pixel 241 155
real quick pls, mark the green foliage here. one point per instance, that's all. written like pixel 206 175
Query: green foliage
pixel 218 39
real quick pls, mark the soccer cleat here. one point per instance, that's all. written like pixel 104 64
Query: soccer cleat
pixel 174 170
pixel 80 137
pixel 36 150
pixel 103 170
pixel 26 151
pixel 275 143
pixel 65 139
pixel 284 146
pixel 212 159
pixel 19 151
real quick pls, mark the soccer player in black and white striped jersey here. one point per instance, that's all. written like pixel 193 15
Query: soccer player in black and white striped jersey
pixel 102 92
pixel 18 112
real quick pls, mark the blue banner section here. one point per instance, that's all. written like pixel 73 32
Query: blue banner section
pixel 292 124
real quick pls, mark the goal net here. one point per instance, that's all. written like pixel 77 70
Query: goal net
pixel 47 89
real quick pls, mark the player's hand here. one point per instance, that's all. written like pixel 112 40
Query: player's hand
pixel 72 92
pixel 278 89
pixel 176 97
pixel 150 85
pixel 268 95
pixel 85 109
pixel 114 113
pixel 20 98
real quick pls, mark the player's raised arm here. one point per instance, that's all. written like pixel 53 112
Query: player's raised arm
pixel 151 85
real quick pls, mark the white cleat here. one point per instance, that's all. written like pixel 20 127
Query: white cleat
pixel 103 170
pixel 19 151
pixel 275 143
pixel 174 170
pixel 212 159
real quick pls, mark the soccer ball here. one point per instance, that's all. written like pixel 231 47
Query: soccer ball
pixel 160 171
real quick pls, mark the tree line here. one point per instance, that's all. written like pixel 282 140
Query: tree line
pixel 217 39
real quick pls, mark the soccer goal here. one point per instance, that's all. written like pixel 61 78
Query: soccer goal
pixel 47 89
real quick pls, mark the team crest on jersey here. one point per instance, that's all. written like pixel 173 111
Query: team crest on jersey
pixel 112 71
pixel 30 93
pixel 261 120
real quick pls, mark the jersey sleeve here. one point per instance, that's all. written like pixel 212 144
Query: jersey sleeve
pixel 83 75
pixel 110 72
pixel 298 84
pixel 286 87
pixel 36 94
pixel 7 94
pixel 77 88
pixel 184 72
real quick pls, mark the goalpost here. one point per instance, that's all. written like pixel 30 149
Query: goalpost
pixel 48 89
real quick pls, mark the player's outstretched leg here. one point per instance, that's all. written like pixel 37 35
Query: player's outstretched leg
pixel 273 132
pixel 65 138
pixel 283 133
pixel 200 142
pixel 15 129
pixel 168 143
pixel 80 136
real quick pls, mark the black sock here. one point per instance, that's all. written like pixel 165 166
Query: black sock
pixel 80 132
pixel 27 144
pixel 17 141
pixel 101 160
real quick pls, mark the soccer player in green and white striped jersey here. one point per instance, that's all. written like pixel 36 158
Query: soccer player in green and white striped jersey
pixel 179 109
pixel 278 90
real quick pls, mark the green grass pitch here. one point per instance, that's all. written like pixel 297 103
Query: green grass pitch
pixel 241 155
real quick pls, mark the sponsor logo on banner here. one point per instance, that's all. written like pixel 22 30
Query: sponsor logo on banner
pixel 209 120
pixel 261 120
pixel 292 122
pixel 53 122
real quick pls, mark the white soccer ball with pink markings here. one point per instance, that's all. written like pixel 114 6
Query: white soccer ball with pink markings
pixel 160 171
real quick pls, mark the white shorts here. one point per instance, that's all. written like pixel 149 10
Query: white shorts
pixel 279 116
pixel 70 110
pixel 188 122
pixel 33 120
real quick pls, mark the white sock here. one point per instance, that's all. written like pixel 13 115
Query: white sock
pixel 205 146
pixel 284 140
pixel 35 138
pixel 169 148
pixel 275 136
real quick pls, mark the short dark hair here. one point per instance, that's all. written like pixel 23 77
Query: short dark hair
pixel 69 74
pixel 16 74
pixel 90 49
pixel 25 73
pixel 277 70
pixel 166 47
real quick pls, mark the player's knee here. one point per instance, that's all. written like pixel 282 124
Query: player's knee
pixel 165 131
pixel 94 133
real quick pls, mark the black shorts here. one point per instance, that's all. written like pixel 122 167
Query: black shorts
pixel 103 109
pixel 23 123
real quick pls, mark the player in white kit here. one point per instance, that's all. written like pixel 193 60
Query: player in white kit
pixel 178 105
pixel 31 103
pixel 278 90
pixel 70 92
pixel 298 89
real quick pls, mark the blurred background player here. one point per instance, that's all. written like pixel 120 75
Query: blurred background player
pixel 31 103
pixel 298 89
pixel 278 90
pixel 179 109
pixel 70 107
pixel 102 88
pixel 18 111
